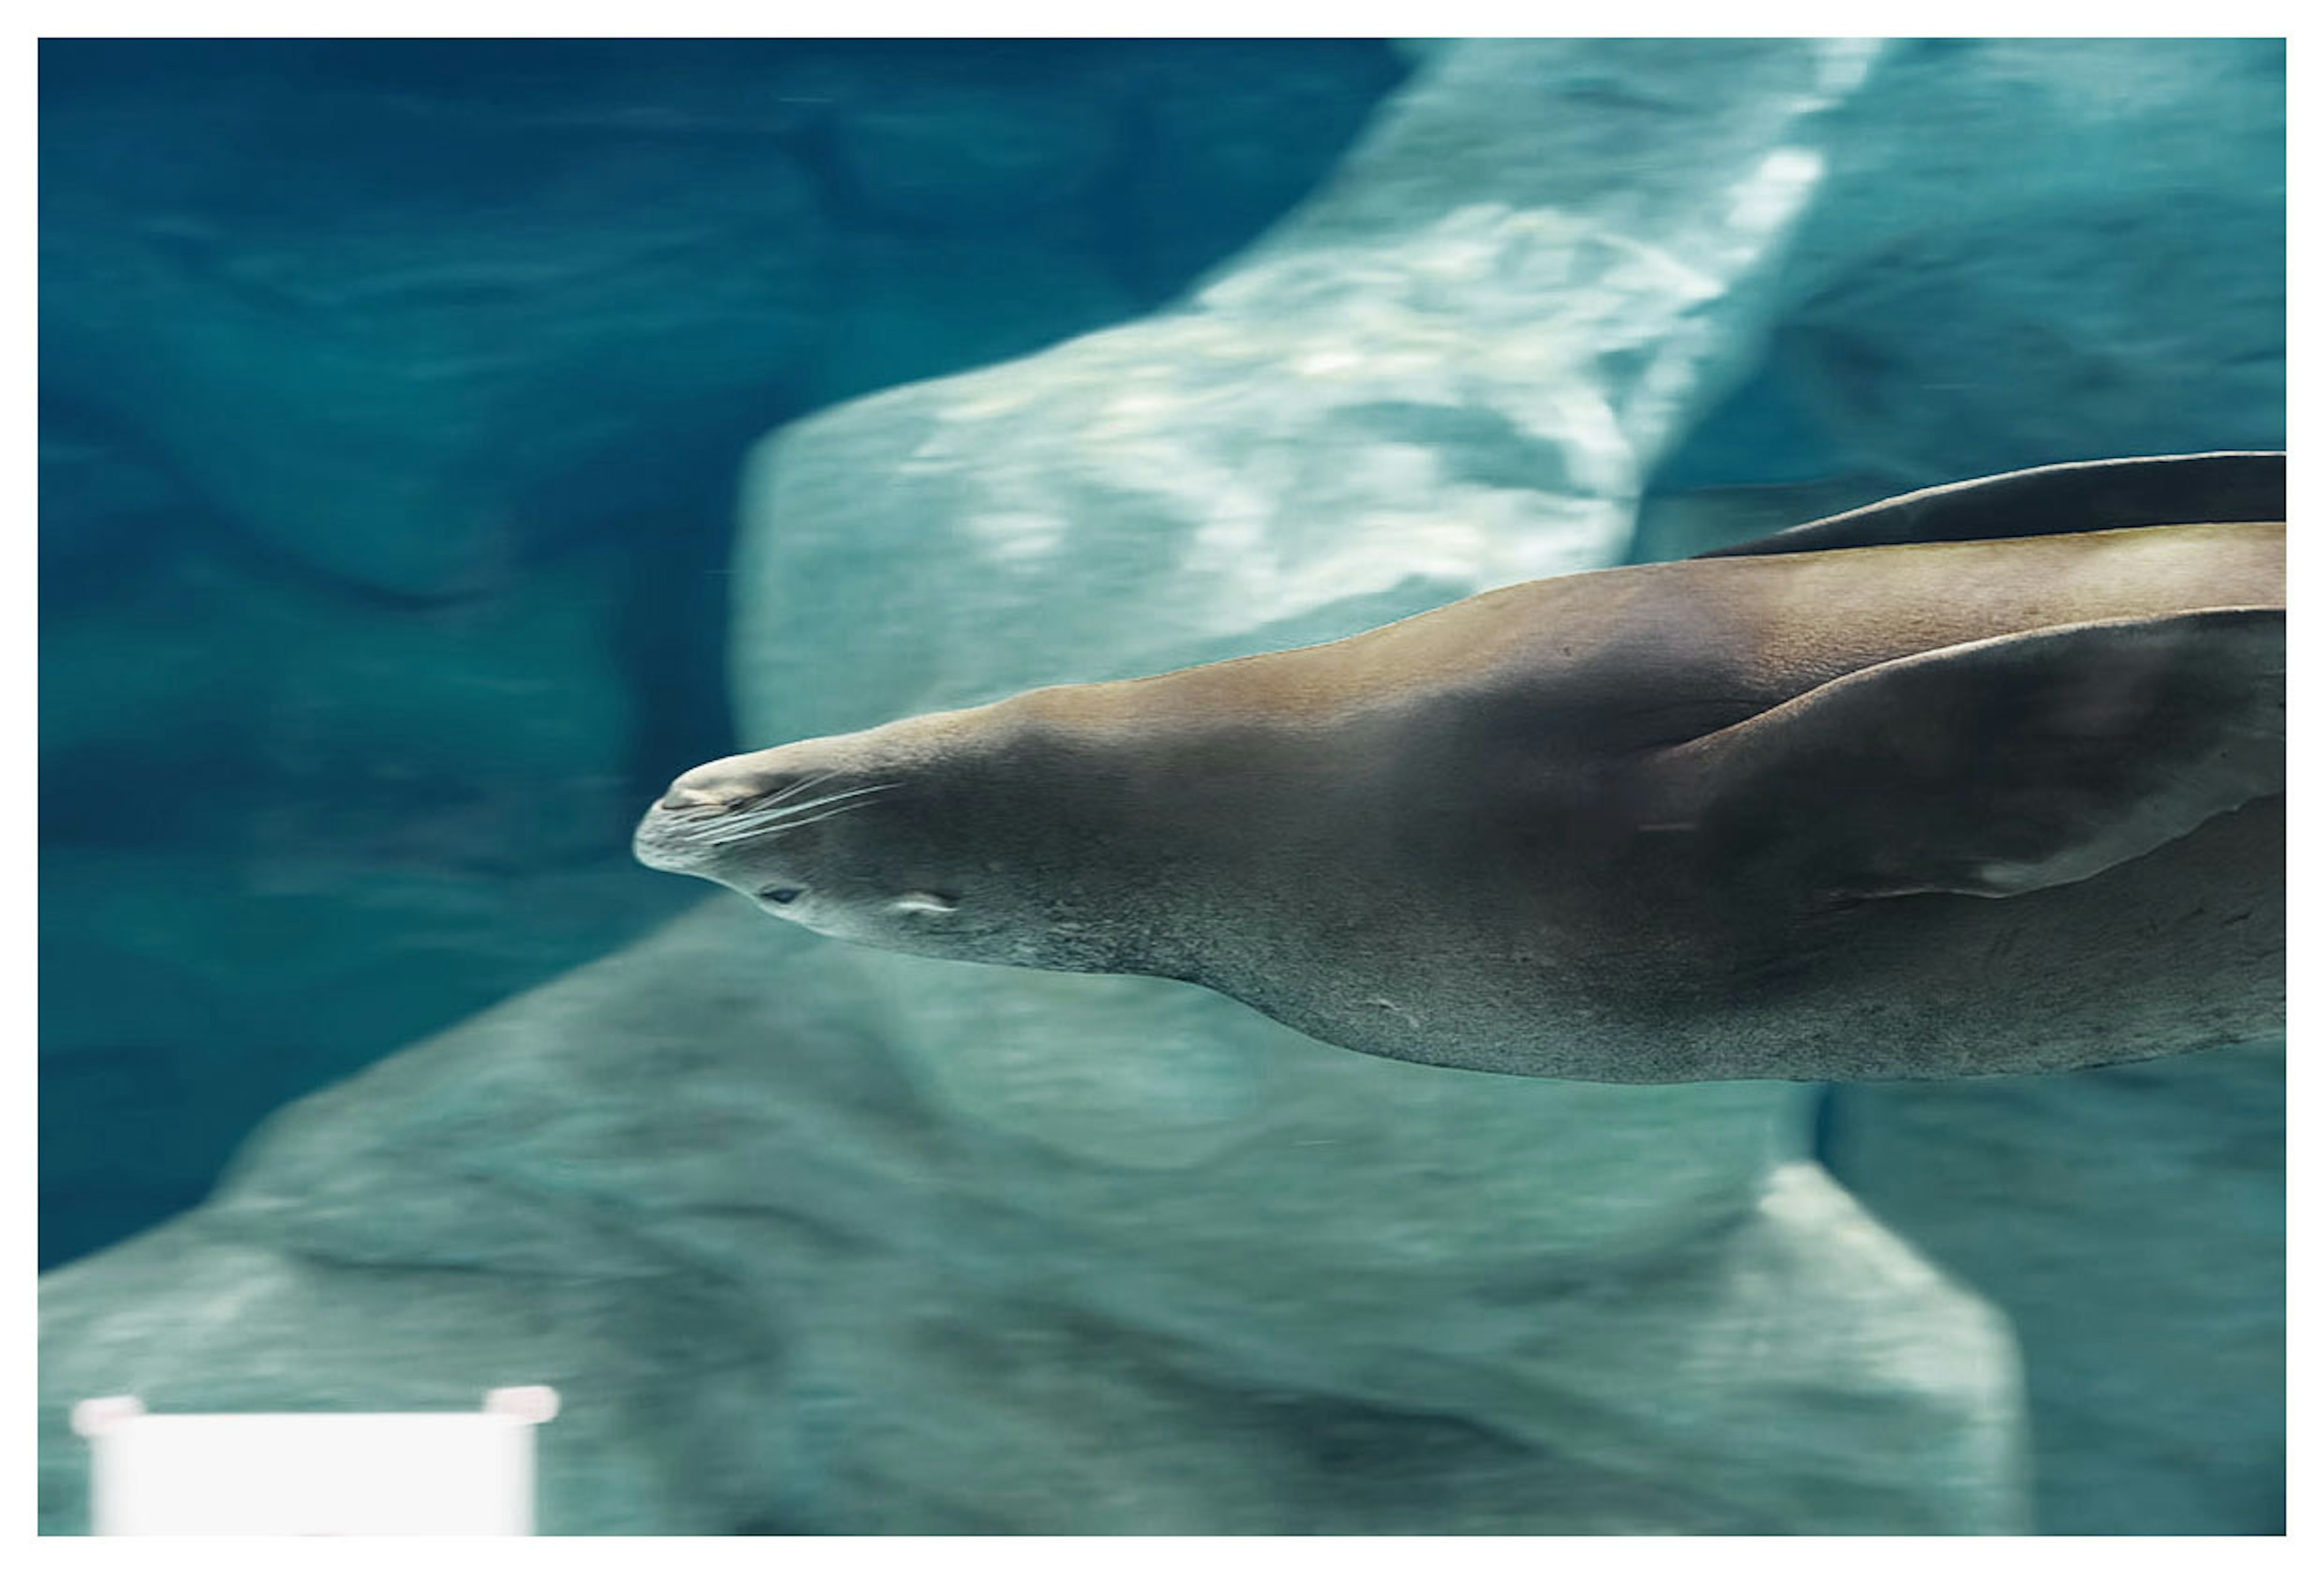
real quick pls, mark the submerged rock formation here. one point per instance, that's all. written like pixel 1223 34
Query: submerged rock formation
pixel 2130 1222
pixel 790 1275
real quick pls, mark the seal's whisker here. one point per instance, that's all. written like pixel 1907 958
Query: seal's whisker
pixel 828 814
pixel 710 827
pixel 747 820
pixel 778 802
pixel 804 784
pixel 838 798
pixel 713 828
pixel 767 809
pixel 832 803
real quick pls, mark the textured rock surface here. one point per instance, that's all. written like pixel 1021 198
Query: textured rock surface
pixel 375 822
pixel 2130 1222
pixel 532 283
pixel 1235 133
pixel 102 503
pixel 915 309
pixel 456 349
pixel 724 1193
pixel 971 156
pixel 440 726
pixel 2125 236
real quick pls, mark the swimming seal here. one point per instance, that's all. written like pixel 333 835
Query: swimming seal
pixel 1985 778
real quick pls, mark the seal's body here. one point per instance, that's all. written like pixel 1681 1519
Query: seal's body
pixel 1820 810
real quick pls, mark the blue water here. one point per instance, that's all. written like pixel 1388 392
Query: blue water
pixel 409 518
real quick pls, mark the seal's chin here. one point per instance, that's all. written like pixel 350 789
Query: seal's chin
pixel 662 841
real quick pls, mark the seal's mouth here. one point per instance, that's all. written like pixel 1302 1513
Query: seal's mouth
pixel 667 841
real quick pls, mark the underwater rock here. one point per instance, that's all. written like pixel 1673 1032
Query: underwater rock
pixel 784 1281
pixel 104 504
pixel 486 298
pixel 1234 130
pixel 2125 236
pixel 905 310
pixel 315 721
pixel 2130 1220
pixel 467 370
pixel 173 687
pixel 979 156
pixel 2073 286
pixel 375 822
pixel 148 957
pixel 170 1121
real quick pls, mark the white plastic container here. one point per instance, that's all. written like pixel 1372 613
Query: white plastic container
pixel 448 1473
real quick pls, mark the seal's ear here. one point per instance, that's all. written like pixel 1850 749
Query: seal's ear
pixel 2000 766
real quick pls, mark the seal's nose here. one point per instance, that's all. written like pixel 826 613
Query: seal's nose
pixel 732 783
pixel 711 787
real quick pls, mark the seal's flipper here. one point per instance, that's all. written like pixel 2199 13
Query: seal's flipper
pixel 2052 500
pixel 2002 765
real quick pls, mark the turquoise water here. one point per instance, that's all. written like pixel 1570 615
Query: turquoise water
pixel 407 523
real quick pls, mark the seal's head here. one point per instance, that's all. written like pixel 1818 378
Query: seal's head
pixel 925 835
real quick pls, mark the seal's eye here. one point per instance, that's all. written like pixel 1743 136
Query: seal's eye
pixel 779 895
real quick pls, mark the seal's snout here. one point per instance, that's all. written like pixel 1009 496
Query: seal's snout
pixel 715 786
pixel 705 811
pixel 668 838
